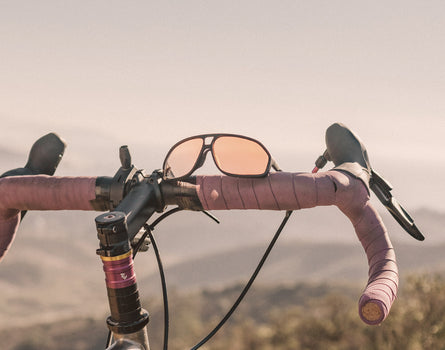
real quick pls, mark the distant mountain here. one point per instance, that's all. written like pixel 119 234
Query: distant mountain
pixel 296 261
pixel 52 270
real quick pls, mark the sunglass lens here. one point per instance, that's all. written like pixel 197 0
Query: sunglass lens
pixel 239 156
pixel 182 158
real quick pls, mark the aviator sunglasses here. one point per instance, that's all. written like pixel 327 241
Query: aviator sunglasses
pixel 234 155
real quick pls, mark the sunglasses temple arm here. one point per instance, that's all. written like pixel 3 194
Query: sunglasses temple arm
pixel 275 165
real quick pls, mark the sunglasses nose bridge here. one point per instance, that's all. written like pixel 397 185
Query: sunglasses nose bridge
pixel 208 140
pixel 205 149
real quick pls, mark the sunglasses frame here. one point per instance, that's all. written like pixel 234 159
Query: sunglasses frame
pixel 205 148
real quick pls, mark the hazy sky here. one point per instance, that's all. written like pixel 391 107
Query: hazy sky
pixel 147 73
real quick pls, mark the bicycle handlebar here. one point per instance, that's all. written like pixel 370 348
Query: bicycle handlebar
pixel 291 191
pixel 40 192
pixel 278 191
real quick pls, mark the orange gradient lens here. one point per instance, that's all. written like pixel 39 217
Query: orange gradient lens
pixel 240 156
pixel 182 158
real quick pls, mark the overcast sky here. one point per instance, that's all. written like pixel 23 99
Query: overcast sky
pixel 148 73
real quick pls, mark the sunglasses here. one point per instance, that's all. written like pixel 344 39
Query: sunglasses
pixel 234 155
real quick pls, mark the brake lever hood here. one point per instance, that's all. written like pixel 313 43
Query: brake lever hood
pixel 348 153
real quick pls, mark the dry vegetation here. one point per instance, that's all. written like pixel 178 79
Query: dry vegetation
pixel 279 318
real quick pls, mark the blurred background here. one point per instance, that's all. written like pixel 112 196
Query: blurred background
pixel 102 74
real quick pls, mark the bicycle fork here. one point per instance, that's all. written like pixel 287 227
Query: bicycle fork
pixel 128 319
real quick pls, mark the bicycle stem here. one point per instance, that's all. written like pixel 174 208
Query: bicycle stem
pixel 133 198
pixel 128 319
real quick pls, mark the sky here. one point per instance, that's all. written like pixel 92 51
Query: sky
pixel 148 73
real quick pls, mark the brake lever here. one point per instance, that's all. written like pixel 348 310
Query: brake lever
pixel 382 189
pixel 43 158
pixel 349 155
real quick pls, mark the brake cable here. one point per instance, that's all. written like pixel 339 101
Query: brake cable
pixel 148 232
pixel 141 240
pixel 248 285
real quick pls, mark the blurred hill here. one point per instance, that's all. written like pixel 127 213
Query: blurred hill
pixel 283 316
pixel 52 272
pixel 297 261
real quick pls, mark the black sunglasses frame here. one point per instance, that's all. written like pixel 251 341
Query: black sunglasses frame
pixel 205 148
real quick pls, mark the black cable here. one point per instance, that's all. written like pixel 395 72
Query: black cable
pixel 248 285
pixel 148 229
pixel 157 221
pixel 109 340
pixel 163 216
